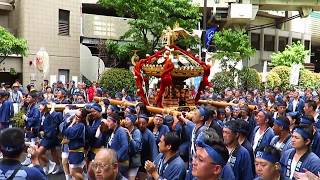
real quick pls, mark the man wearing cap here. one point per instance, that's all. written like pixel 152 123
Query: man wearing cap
pixel 310 107
pixel 125 96
pixel 210 158
pixel 282 140
pixel 73 89
pixel 135 145
pixel 300 158
pixel 57 87
pixel 244 115
pixel 238 155
pixel 149 146
pixel 16 97
pixel 296 104
pixel 262 133
pixel 6 110
pixel 112 109
pixel 93 133
pixel 281 107
pixel 159 128
pixel 243 140
pixel 221 114
pixel 309 121
pixel 118 141
pixel 129 110
pixel 32 118
pixel 12 146
pixel 168 164
pixel 61 97
pixel 212 121
pixel 267 163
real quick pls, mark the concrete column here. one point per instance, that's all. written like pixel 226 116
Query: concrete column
pixel 290 38
pixel 261 44
pixel 276 40
pixel 302 38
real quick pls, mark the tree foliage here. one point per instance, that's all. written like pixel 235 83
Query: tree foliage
pixel 294 54
pixel 151 17
pixel 116 79
pixel 10 44
pixel 273 80
pixel 120 53
pixel 233 46
pixel 284 75
pixel 309 79
pixel 249 78
pixel 223 80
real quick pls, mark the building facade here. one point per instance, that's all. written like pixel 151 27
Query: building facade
pixel 52 26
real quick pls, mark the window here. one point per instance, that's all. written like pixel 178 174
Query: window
pixel 306 44
pixel 269 43
pixel 64 22
pixel 283 41
pixel 255 41
pixel 64 75
pixel 294 40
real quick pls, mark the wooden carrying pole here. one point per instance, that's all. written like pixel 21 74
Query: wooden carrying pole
pixel 149 108
pixel 61 107
pixel 224 104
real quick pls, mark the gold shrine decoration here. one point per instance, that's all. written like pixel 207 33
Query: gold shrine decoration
pixel 171 35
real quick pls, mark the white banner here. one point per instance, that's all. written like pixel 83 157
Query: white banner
pixel 265 71
pixel 294 76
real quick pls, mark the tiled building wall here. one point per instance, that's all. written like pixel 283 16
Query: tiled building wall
pixel 38 24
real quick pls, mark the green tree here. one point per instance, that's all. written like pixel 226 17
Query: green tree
pixel 115 79
pixel 294 54
pixel 273 80
pixel 11 45
pixel 284 75
pixel 233 46
pixel 249 78
pixel 309 79
pixel 222 80
pixel 150 18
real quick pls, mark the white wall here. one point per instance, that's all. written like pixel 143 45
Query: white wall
pixel 89 64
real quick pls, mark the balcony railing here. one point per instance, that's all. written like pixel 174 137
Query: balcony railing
pixel 6 5
pixel 104 27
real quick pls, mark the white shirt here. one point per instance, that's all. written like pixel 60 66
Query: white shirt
pixel 294 105
pixel 293 167
pixel 278 145
pixel 316 117
pixel 257 137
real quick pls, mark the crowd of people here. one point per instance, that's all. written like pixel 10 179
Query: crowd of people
pixel 276 137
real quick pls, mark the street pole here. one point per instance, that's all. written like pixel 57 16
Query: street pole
pixel 205 15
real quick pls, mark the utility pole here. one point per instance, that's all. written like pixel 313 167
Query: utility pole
pixel 205 15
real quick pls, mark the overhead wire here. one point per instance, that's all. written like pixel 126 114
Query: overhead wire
pixel 258 27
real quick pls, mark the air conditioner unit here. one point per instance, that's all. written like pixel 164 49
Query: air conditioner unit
pixel 241 11
pixel 231 1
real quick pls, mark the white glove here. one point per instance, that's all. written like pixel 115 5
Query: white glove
pixel 53 105
pixel 98 132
